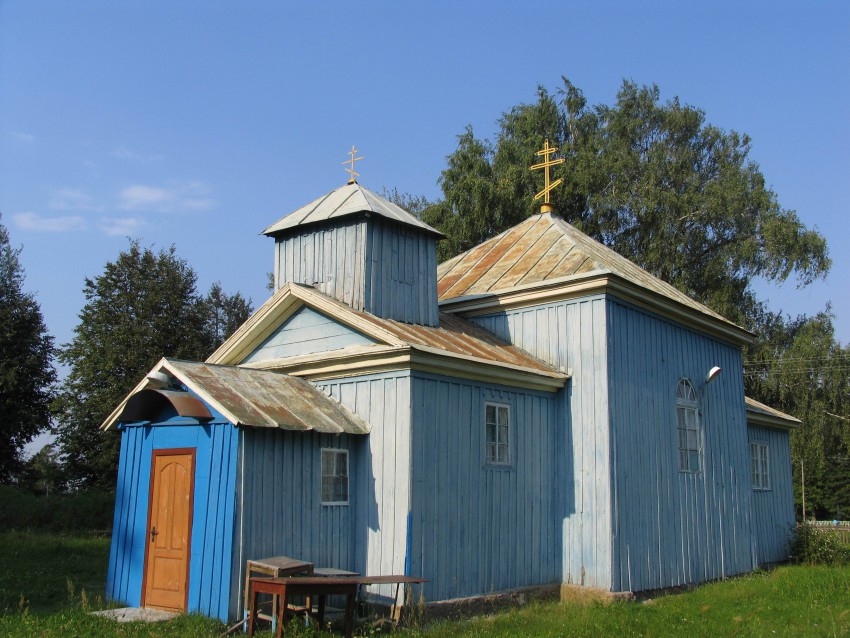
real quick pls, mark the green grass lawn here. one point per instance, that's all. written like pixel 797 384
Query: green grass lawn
pixel 37 600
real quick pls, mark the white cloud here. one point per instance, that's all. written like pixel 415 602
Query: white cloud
pixel 73 199
pixel 190 196
pixel 26 138
pixel 124 153
pixel 40 223
pixel 122 226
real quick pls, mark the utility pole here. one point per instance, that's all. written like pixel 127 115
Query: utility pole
pixel 803 479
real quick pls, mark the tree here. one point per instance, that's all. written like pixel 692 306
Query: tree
pixel 223 314
pixel 640 176
pixel 798 366
pixel 681 198
pixel 144 306
pixel 26 371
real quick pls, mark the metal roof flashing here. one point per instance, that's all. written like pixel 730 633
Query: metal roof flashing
pixel 346 201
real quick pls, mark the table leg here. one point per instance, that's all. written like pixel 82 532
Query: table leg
pixel 281 608
pixel 349 613
pixel 320 615
pixel 252 614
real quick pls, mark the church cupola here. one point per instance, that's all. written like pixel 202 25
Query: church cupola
pixel 363 250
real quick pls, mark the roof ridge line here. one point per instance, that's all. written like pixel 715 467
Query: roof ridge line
pixel 497 240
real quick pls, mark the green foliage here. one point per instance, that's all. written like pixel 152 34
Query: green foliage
pixel 144 306
pixel 798 366
pixel 640 176
pixel 43 568
pixel 811 545
pixel 47 583
pixel 223 314
pixel 83 511
pixel 43 473
pixel 26 372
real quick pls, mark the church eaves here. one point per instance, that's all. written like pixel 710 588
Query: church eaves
pixel 351 199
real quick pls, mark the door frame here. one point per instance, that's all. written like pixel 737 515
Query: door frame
pixel 177 451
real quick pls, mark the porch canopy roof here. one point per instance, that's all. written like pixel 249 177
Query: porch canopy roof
pixel 248 397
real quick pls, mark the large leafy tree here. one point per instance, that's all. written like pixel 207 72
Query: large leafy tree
pixel 650 179
pixel 683 199
pixel 26 371
pixel 144 306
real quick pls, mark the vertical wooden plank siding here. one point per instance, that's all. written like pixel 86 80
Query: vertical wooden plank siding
pixel 325 257
pixel 279 498
pixel 212 519
pixel 371 264
pixel 669 527
pixel 773 509
pixel 478 528
pixel 307 332
pixel 572 336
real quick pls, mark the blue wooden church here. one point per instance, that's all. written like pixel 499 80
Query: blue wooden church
pixel 535 411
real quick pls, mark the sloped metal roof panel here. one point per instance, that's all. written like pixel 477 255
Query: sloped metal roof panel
pixel 454 336
pixel 261 398
pixel 542 248
pixel 760 414
pixel 351 199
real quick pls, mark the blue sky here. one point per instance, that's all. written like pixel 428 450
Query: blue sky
pixel 199 123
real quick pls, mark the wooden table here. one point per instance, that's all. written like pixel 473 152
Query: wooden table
pixel 393 579
pixel 321 586
pixel 276 567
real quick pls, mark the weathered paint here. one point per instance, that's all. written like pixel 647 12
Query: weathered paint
pixel 278 502
pixel 371 264
pixel 213 514
pixel 773 509
pixel 478 528
pixel 307 332
pixel 572 336
pixel 669 527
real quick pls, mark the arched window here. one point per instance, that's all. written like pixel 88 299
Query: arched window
pixel 688 427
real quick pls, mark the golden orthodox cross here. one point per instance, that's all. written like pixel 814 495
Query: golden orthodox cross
pixel 352 175
pixel 546 207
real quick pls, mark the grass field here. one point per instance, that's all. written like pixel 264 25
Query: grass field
pixel 43 577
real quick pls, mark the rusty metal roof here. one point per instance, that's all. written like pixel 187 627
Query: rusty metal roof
pixel 258 398
pixel 350 199
pixel 544 248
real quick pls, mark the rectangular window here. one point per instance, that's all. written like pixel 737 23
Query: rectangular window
pixel 334 477
pixel 686 417
pixel 760 466
pixel 497 419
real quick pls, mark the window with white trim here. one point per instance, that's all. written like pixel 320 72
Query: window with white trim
pixel 687 425
pixel 334 477
pixel 497 422
pixel 760 465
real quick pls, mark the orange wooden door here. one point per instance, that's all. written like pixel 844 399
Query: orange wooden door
pixel 166 580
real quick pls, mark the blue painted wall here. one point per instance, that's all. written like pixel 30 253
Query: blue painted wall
pixel 371 264
pixel 307 332
pixel 212 519
pixel 478 528
pixel 572 335
pixel 668 527
pixel 279 487
pixel 773 509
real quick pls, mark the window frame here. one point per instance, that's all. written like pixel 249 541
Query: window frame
pixel 322 475
pixel 760 466
pixel 687 409
pixel 505 445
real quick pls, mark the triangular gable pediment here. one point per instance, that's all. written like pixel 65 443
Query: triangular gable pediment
pixel 306 332
pixel 266 330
